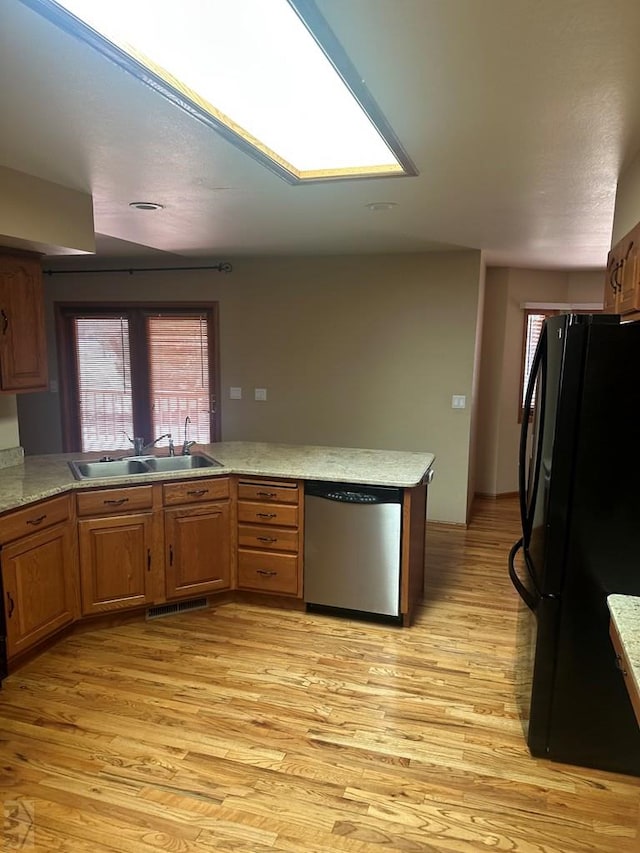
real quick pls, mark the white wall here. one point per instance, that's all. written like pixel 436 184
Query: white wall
pixel 361 351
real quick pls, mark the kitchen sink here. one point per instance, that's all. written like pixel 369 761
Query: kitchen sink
pixel 98 469
pixel 181 463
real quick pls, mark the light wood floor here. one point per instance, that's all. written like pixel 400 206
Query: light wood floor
pixel 254 730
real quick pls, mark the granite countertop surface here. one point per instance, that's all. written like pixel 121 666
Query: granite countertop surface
pixel 625 614
pixel 39 477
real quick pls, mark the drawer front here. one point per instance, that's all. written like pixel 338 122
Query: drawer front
pixel 265 572
pixel 267 538
pixel 259 513
pixel 105 501
pixel 35 517
pixel 195 491
pixel 264 492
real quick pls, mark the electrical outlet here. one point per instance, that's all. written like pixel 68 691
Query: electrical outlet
pixel 260 394
pixel 458 401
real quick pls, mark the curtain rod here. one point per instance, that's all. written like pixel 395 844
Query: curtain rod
pixel 221 267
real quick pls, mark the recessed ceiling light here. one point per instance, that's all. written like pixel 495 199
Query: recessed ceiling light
pixel 381 205
pixel 146 205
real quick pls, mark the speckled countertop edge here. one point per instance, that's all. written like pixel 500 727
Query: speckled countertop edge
pixel 625 613
pixel 40 477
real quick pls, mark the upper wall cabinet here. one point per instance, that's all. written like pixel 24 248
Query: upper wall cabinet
pixel 622 285
pixel 23 344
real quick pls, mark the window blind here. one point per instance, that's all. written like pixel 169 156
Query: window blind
pixel 104 382
pixel 179 376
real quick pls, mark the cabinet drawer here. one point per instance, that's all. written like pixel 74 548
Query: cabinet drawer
pixel 35 517
pixel 194 491
pixel 267 572
pixel 104 501
pixel 267 538
pixel 258 513
pixel 264 492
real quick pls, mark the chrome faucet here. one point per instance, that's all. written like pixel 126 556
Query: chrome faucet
pixel 155 441
pixel 139 445
pixel 186 444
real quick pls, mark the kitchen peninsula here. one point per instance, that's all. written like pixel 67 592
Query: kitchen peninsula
pixel 37 477
pixel 74 550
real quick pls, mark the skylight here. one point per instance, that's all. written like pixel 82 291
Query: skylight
pixel 253 70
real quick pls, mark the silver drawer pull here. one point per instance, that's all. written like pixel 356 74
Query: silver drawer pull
pixel 36 521
pixel 117 502
pixel 267 494
pixel 266 538
pixel 266 573
pixel 266 514
pixel 197 493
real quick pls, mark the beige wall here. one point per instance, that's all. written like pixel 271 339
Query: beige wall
pixel 41 216
pixel 627 212
pixel 354 351
pixel 503 327
pixel 9 435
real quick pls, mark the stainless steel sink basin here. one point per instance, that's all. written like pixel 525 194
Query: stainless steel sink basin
pixel 181 463
pixel 115 468
pixel 140 465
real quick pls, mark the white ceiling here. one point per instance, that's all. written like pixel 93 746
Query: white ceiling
pixel 519 115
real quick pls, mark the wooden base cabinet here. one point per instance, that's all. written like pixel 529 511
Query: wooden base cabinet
pixel 116 562
pixel 270 525
pixel 39 586
pixel 120 561
pixel 38 560
pixel 197 536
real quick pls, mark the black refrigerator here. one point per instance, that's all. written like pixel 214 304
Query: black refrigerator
pixel 579 472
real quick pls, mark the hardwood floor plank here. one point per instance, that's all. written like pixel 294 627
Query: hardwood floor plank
pixel 247 729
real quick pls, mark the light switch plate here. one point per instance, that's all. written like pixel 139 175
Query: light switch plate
pixel 235 393
pixel 260 393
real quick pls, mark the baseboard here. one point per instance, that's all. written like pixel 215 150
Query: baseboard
pixel 496 497
pixel 448 525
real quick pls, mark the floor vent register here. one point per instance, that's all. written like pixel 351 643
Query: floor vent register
pixel 178 607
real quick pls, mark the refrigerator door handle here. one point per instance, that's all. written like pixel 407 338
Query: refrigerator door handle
pixel 529 599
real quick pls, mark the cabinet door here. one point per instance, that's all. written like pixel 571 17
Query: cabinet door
pixel 23 348
pixel 613 283
pixel 117 562
pixel 629 291
pixel 197 541
pixel 39 586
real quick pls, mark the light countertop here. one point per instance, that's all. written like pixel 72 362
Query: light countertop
pixel 625 615
pixel 40 477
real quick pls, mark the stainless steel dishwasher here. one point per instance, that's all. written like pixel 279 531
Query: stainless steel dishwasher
pixel 352 547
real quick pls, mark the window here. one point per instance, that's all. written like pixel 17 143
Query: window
pixel 140 370
pixel 533 323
